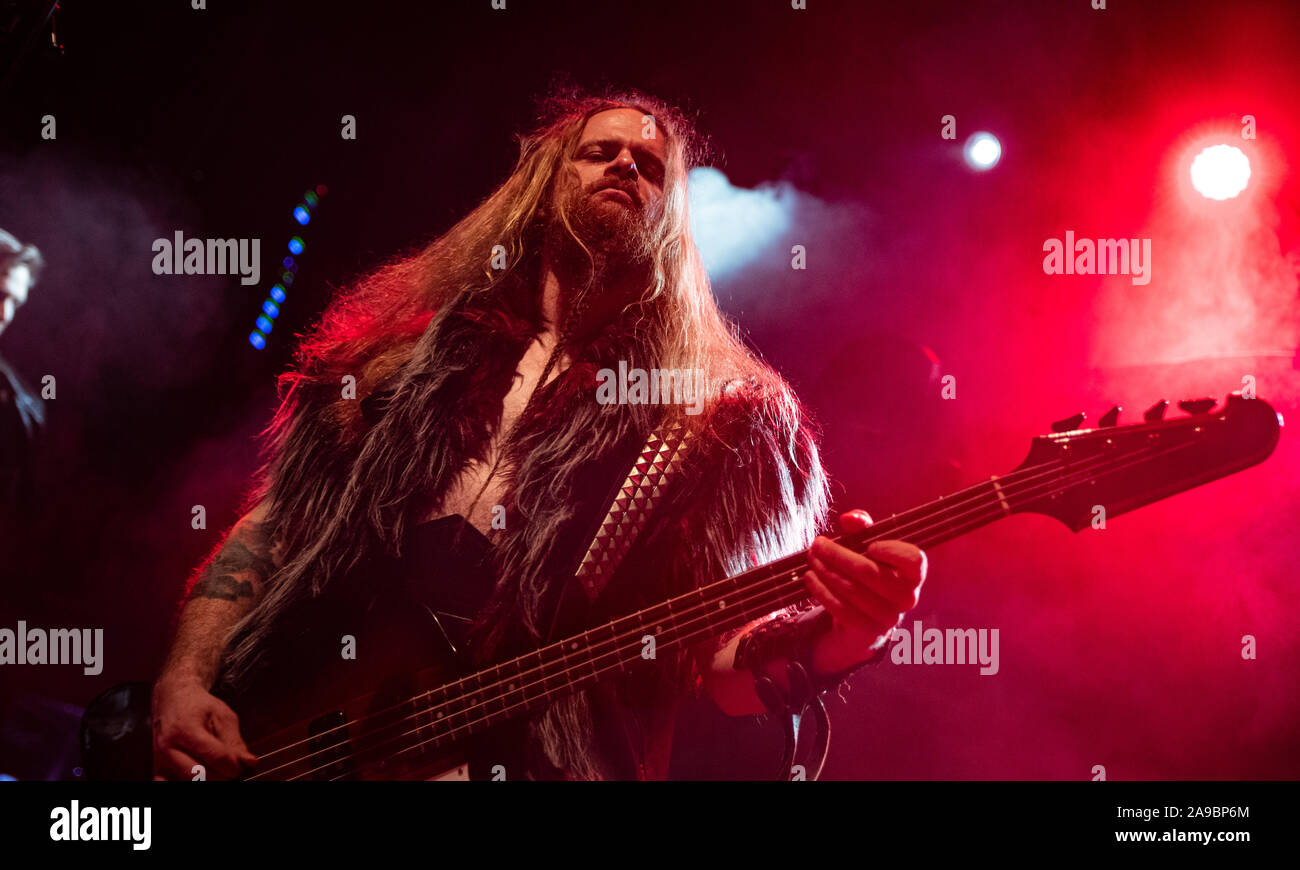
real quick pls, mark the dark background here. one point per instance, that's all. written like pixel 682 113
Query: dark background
pixel 1118 648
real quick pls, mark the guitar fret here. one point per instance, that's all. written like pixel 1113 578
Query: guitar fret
pixel 524 672
pixel 666 625
pixel 515 693
pixel 456 714
pixel 473 705
pixel 614 654
pixel 493 705
pixel 1002 499
pixel 696 601
pixel 561 679
pixel 718 614
pixel 588 657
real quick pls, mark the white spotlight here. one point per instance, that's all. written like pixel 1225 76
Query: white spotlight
pixel 983 151
pixel 1220 172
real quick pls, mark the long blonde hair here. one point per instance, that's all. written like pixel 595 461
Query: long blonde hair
pixel 371 327
pixel 329 481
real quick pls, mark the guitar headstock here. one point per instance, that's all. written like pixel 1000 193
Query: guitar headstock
pixel 1070 472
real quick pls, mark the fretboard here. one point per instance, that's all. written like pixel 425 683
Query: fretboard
pixel 532 681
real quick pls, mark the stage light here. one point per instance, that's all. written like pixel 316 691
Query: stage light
pixel 302 213
pixel 982 151
pixel 1220 172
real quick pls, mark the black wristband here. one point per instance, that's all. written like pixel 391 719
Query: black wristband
pixel 793 638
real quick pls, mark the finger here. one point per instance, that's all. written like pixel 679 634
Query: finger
pixel 907 558
pixel 842 612
pixel 212 753
pixel 845 614
pixel 175 765
pixel 871 605
pixel 840 558
pixel 225 724
pixel 881 579
pixel 854 521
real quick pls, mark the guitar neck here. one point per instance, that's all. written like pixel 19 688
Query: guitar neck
pixel 531 681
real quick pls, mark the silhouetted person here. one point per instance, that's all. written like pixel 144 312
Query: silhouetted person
pixel 22 413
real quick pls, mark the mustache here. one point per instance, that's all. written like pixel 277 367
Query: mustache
pixel 626 187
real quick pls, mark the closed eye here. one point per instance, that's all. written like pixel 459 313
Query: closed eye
pixel 599 153
pixel 647 163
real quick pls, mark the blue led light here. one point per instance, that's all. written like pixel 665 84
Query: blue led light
pixel 302 213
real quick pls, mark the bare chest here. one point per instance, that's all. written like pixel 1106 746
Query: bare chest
pixel 477 494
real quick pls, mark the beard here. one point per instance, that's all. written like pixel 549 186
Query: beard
pixel 618 237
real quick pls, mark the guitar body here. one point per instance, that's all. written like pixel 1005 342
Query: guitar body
pixel 331 685
pixel 348 657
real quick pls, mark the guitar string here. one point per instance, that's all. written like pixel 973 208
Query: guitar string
pixel 763 594
pixel 707 607
pixel 1011 482
pixel 597 673
pixel 781 594
pixel 956 502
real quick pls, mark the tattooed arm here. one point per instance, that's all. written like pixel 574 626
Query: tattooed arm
pixel 191 726
pixel 222 592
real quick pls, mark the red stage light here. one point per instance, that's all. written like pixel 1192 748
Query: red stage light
pixel 1220 172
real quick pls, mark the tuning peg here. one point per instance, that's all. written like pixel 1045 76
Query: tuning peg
pixel 1069 424
pixel 1197 406
pixel 1110 418
pixel 1156 412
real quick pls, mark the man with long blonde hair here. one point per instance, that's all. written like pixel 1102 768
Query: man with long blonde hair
pixel 473 457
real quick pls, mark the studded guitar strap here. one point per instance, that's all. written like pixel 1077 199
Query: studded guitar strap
pixel 645 486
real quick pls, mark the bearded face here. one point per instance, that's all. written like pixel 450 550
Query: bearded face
pixel 611 221
pixel 613 194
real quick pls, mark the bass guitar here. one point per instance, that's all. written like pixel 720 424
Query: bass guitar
pixel 408 718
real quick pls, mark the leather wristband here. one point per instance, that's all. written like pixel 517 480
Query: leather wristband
pixel 793 638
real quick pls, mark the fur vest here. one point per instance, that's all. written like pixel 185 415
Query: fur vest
pixel 752 491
